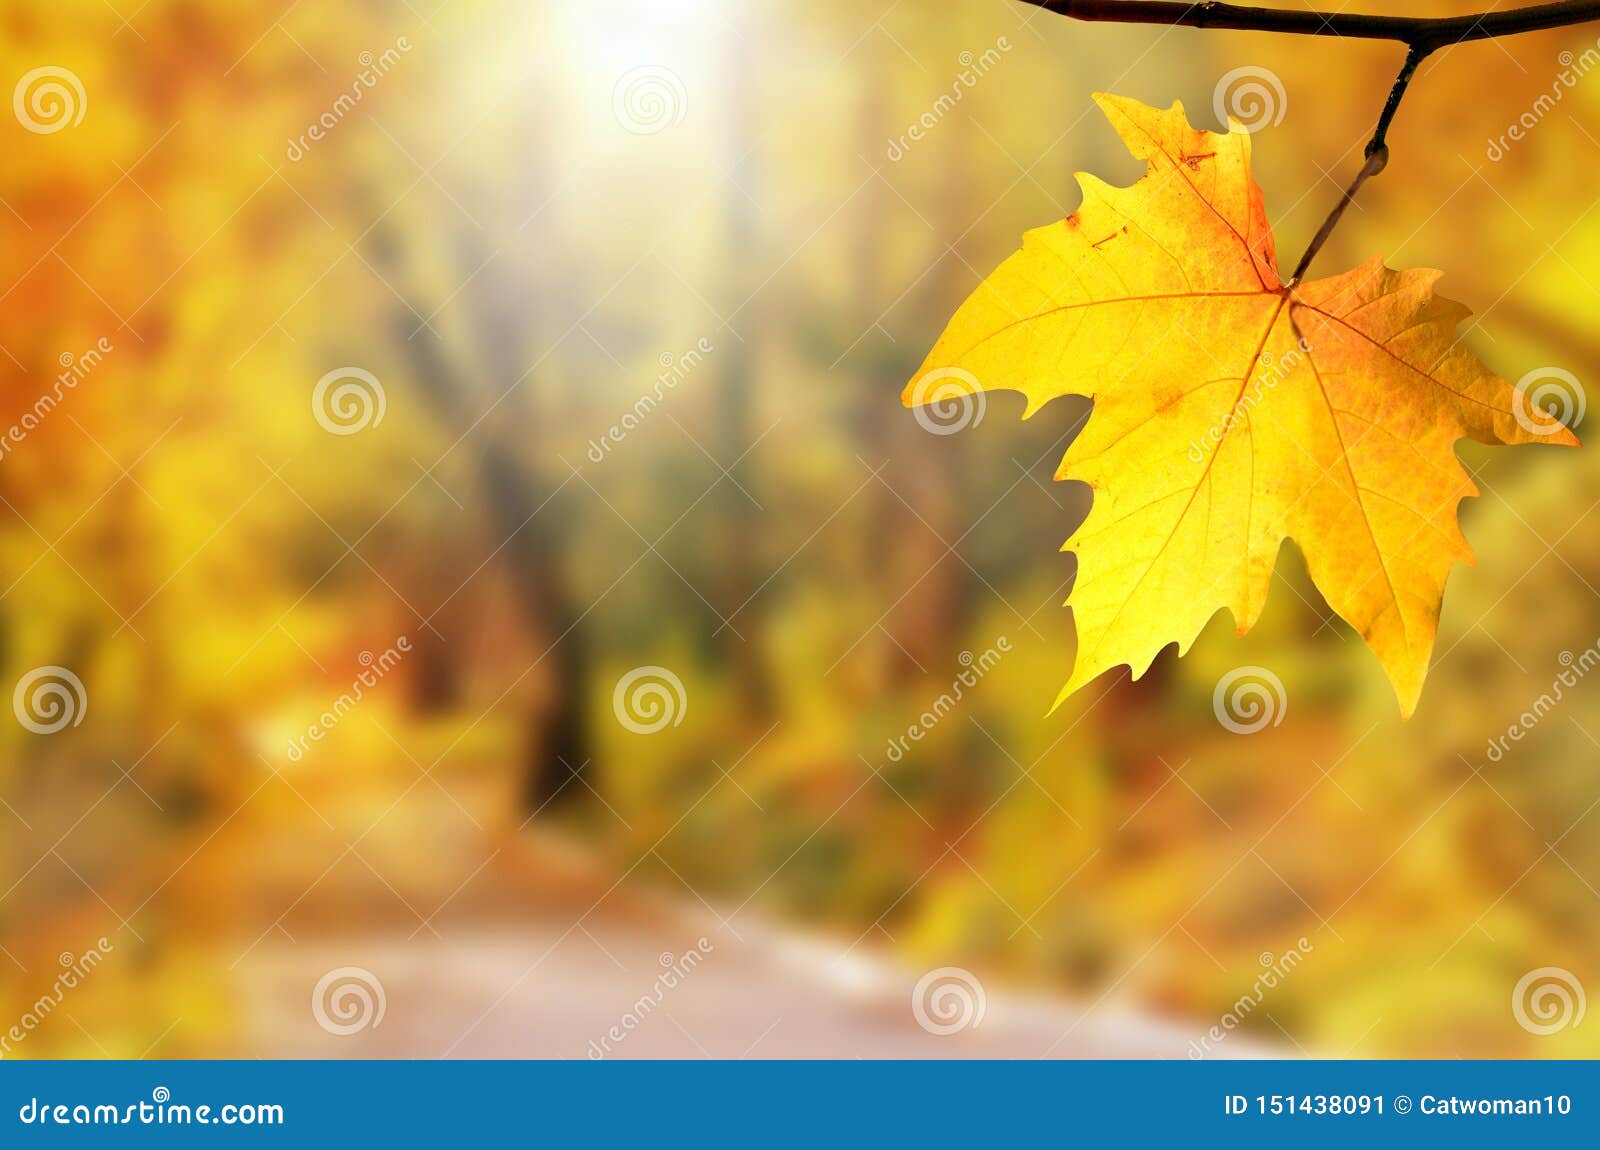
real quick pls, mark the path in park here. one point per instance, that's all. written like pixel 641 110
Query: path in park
pixel 554 980
pixel 502 943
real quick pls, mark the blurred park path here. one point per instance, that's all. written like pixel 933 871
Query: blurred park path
pixel 484 938
pixel 553 971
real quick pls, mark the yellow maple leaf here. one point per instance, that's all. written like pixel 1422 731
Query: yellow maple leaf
pixel 1232 411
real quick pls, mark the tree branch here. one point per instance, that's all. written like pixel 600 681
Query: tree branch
pixel 1421 35
pixel 1422 32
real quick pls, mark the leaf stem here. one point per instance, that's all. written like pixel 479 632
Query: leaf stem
pixel 1377 158
pixel 1422 36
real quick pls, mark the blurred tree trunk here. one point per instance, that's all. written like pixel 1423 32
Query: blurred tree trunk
pixel 527 529
pixel 928 621
pixel 875 411
pixel 742 257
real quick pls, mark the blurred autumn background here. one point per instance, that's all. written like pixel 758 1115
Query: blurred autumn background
pixel 534 214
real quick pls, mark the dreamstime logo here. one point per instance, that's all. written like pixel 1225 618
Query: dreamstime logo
pixel 348 999
pixel 975 667
pixel 676 968
pixel 974 67
pixel 1573 69
pixel 948 400
pixel 1576 667
pixel 674 370
pixel 74 370
pixel 374 66
pixel 1548 999
pixel 1252 95
pixel 1269 372
pixel 649 99
pixel 47 699
pixel 374 668
pixel 75 968
pixel 1556 393
pixel 1274 969
pixel 1249 698
pixel 348 400
pixel 48 99
pixel 947 1000
pixel 160 1111
pixel 648 699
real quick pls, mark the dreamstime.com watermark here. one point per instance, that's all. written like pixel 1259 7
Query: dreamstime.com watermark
pixel 649 699
pixel 948 1000
pixel 74 969
pixel 1276 967
pixel 974 67
pixel 1271 371
pixel 49 699
pixel 1556 394
pixel 649 99
pixel 1548 999
pixel 674 370
pixel 1577 666
pixel 947 400
pixel 74 370
pixel 348 1000
pixel 976 667
pixel 1573 69
pixel 373 69
pixel 1246 699
pixel 676 968
pixel 160 1110
pixel 1252 96
pixel 377 666
pixel 347 400
pixel 49 99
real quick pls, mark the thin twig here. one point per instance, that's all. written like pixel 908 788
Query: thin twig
pixel 1416 31
pixel 1377 154
pixel 1422 36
